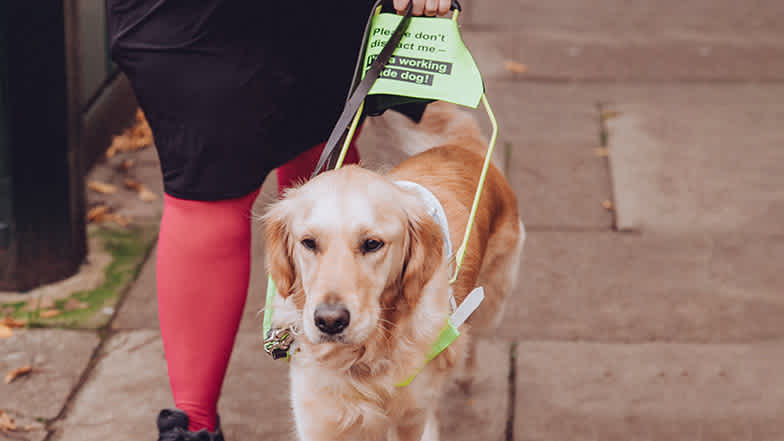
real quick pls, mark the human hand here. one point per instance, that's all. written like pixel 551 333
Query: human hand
pixel 430 8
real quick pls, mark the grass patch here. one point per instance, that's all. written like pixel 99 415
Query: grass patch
pixel 128 248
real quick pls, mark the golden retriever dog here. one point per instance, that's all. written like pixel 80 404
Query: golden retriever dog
pixel 362 274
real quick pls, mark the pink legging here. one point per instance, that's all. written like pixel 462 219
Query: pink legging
pixel 203 270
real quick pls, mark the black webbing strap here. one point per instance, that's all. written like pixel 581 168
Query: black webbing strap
pixel 360 92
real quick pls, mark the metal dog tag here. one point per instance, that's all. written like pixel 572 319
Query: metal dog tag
pixel 278 342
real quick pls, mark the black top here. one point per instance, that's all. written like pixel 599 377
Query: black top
pixel 234 88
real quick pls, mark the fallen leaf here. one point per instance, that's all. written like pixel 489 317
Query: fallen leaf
pixel 146 195
pixel 135 137
pixel 49 313
pixel 120 143
pixel 6 331
pixel 117 219
pixel 513 66
pixel 608 204
pixel 129 141
pixel 141 133
pixel 132 184
pixel 96 213
pixel 6 422
pixel 13 374
pixel 101 187
pixel 601 152
pixel 13 323
pixel 609 114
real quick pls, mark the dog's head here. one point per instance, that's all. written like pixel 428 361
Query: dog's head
pixel 353 251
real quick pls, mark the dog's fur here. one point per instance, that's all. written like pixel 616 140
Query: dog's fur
pixel 344 386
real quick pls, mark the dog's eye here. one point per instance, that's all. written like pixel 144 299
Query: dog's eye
pixel 371 245
pixel 309 244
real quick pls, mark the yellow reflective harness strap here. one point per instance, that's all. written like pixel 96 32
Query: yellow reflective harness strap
pixel 479 187
pixel 270 299
pixel 449 334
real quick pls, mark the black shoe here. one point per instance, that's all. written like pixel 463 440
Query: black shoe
pixel 173 426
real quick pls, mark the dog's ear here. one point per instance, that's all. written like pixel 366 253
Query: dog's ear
pixel 424 255
pixel 279 247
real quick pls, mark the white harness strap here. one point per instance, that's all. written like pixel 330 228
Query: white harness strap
pixel 436 210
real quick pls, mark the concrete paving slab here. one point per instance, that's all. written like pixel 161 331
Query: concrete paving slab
pixel 32 435
pixel 705 18
pixel 552 56
pixel 132 373
pixel 255 402
pixel 482 412
pixel 551 131
pixel 126 389
pixel 618 39
pixel 698 157
pixel 637 288
pixel 58 358
pixel 27 429
pixel 584 391
pixel 26 436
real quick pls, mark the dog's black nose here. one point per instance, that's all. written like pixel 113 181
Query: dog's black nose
pixel 331 318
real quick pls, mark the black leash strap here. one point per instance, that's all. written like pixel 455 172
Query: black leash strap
pixel 362 89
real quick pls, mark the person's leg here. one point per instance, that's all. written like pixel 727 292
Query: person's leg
pixel 203 270
pixel 301 167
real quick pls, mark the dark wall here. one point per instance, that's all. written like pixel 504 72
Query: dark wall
pixel 6 216
pixel 47 241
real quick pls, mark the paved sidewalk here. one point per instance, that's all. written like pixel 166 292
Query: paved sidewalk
pixel 657 320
